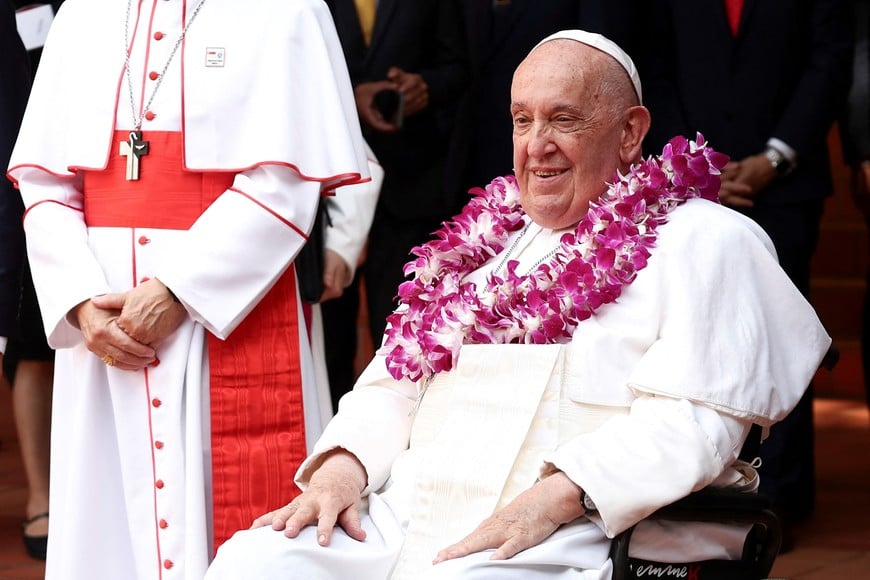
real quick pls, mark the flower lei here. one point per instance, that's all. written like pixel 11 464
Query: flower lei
pixel 439 311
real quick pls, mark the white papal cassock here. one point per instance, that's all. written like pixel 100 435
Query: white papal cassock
pixel 650 401
pixel 256 97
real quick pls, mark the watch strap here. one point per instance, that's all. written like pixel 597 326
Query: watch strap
pixel 781 164
pixel 587 502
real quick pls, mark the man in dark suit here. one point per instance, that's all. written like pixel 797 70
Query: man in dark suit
pixel 415 48
pixel 763 80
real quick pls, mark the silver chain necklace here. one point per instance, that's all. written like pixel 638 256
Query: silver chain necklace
pixel 136 147
pixel 513 247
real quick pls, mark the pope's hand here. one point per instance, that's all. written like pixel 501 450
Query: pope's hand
pixel 525 522
pixel 332 497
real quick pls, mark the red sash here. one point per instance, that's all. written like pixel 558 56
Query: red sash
pixel 255 388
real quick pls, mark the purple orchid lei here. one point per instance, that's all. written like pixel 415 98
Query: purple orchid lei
pixel 439 311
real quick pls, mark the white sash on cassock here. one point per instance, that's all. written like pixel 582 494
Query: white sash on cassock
pixel 476 410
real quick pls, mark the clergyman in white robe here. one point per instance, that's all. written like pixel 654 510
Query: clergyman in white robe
pixel 150 469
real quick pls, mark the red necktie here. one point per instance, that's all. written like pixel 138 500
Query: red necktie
pixel 733 9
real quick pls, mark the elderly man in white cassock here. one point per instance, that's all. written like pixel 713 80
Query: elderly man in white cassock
pixel 586 342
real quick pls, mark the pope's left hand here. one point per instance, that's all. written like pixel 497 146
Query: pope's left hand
pixel 149 313
pixel 525 522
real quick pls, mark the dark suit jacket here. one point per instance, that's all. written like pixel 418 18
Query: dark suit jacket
pixel 499 39
pixel 784 75
pixel 855 124
pixel 14 88
pixel 418 36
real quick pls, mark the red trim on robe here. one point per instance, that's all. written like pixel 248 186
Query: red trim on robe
pixel 257 420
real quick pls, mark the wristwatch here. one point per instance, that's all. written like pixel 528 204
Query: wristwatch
pixel 781 164
pixel 587 502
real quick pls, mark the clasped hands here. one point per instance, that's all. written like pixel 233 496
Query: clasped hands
pixel 414 91
pixel 124 329
pixel 333 497
pixel 743 180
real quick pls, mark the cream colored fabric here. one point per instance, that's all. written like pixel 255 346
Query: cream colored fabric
pixel 454 492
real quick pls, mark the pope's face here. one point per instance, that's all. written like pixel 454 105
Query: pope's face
pixel 566 140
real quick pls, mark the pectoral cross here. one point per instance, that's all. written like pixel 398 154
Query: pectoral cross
pixel 133 150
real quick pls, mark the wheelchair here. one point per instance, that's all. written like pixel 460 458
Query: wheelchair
pixel 722 506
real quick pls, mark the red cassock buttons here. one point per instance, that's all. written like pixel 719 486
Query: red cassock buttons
pixel 158 444
pixel 167 564
pixel 153 75
pixel 156 362
pixel 150 116
pixel 158 36
pixel 156 403
pixel 163 524
pixel 143 240
pixel 159 484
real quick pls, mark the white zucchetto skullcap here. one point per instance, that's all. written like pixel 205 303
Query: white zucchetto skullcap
pixel 604 45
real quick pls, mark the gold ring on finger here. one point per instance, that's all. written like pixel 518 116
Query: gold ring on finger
pixel 108 360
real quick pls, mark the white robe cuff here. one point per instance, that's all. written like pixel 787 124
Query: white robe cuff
pixel 375 425
pixel 661 451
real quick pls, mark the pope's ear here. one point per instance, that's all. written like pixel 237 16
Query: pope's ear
pixel 637 122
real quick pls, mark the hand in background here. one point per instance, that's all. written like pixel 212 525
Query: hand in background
pixel 743 180
pixel 336 275
pixel 364 94
pixel 413 88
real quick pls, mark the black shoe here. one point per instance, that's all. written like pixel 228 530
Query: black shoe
pixel 36 546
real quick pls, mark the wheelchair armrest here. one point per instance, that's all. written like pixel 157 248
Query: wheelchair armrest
pixel 711 500
pixel 716 505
